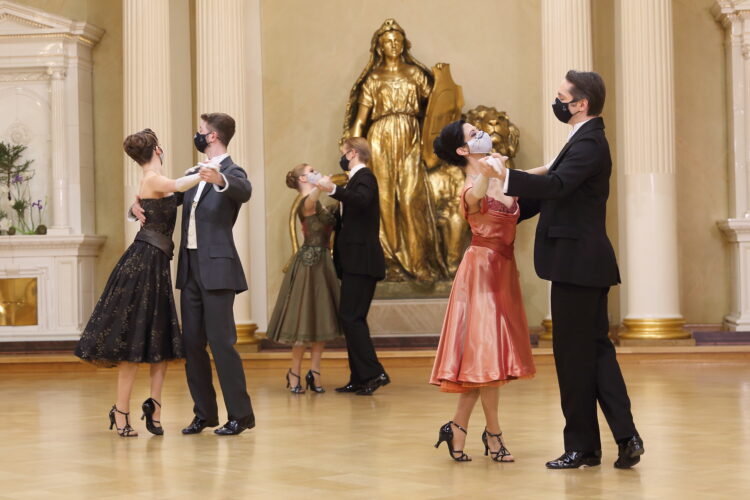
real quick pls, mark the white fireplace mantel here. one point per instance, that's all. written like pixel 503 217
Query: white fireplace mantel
pixel 47 105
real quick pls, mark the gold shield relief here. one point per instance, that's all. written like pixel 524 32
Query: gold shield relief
pixel 443 107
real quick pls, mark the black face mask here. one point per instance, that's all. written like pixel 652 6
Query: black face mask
pixel 200 141
pixel 561 110
pixel 344 163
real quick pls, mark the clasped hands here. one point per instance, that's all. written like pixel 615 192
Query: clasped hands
pixel 493 166
pixel 208 172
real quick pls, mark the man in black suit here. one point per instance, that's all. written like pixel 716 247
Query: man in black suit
pixel 209 274
pixel 359 262
pixel 572 251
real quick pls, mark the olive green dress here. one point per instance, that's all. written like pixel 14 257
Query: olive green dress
pixel 307 307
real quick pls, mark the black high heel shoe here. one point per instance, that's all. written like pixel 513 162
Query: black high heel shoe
pixel 149 408
pixel 310 379
pixel 297 389
pixel 499 455
pixel 446 434
pixel 126 431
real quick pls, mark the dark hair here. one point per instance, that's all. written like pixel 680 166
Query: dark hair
pixel 222 124
pixel 140 146
pixel 588 85
pixel 450 139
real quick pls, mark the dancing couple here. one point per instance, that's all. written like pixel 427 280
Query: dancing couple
pixel 311 307
pixel 135 320
pixel 484 341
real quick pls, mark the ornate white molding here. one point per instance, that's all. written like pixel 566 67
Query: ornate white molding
pixel 20 21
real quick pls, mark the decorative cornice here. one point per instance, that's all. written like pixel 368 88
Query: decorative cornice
pixel 25 76
pixel 33 242
pixel 35 23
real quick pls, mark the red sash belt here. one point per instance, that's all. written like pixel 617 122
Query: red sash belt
pixel 495 244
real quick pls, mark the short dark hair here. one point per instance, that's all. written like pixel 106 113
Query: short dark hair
pixel 222 124
pixel 448 141
pixel 141 145
pixel 588 85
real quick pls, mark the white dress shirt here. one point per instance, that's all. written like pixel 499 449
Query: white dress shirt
pixel 573 131
pixel 192 238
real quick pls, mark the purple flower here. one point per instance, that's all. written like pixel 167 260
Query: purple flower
pixel 18 178
pixel 38 204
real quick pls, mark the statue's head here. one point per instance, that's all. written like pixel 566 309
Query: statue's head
pixel 504 134
pixel 390 40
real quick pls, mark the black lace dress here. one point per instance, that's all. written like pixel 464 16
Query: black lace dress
pixel 307 306
pixel 135 319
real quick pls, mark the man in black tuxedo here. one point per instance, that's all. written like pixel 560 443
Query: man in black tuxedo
pixel 572 251
pixel 359 262
pixel 209 274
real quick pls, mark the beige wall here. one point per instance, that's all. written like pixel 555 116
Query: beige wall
pixel 314 51
pixel 702 152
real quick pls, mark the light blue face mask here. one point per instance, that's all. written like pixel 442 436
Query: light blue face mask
pixel 314 177
pixel 481 143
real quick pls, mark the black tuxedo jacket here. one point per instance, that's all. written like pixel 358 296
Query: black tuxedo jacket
pixel 215 215
pixel 571 238
pixel 356 247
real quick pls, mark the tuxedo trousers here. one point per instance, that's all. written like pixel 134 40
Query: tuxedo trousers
pixel 208 318
pixel 587 369
pixel 357 291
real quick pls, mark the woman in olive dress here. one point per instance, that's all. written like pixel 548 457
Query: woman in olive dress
pixel 306 311
pixel 135 320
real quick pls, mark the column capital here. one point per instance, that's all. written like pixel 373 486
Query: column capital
pixel 56 72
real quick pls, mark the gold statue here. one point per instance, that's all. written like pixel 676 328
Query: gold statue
pixel 386 105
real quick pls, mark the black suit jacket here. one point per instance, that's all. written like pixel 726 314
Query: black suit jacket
pixel 215 215
pixel 356 247
pixel 571 238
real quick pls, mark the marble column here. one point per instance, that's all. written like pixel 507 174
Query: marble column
pixel 221 41
pixel 647 148
pixel 734 17
pixel 146 72
pixel 566 45
pixel 60 202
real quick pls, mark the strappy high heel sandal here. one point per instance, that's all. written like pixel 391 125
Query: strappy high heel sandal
pixel 149 408
pixel 310 379
pixel 297 389
pixel 499 455
pixel 126 431
pixel 446 434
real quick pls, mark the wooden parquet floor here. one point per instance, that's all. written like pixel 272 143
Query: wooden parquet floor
pixel 693 415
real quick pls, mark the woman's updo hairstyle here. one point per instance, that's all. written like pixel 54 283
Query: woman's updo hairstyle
pixel 141 145
pixel 450 139
pixel 292 177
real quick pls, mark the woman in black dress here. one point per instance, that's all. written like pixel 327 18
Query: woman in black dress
pixel 135 320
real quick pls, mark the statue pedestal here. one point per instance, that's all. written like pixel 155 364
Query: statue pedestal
pixel 406 317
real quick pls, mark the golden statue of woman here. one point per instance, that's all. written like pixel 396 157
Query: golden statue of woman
pixel 386 105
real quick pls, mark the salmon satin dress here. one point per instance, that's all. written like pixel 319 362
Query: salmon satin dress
pixel 485 336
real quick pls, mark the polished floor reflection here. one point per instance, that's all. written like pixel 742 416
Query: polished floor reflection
pixel 694 417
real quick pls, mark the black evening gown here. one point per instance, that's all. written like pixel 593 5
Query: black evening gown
pixel 135 319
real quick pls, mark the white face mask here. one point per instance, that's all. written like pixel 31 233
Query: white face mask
pixel 314 177
pixel 481 143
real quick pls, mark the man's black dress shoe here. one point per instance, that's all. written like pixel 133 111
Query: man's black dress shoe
pixel 234 427
pixel 349 387
pixel 630 451
pixel 576 459
pixel 373 385
pixel 198 424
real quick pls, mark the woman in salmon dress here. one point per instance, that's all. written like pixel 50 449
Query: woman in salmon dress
pixel 485 337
